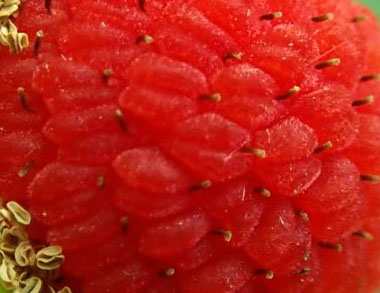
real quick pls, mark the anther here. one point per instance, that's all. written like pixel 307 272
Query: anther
pixel 365 101
pixel 23 100
pixel 120 118
pixel 38 42
pixel 262 191
pixel 327 145
pixel 145 39
pixel 294 90
pixel 227 234
pixel 254 151
pixel 328 63
pixel 215 97
pixel 25 170
pixel 336 247
pixel 370 77
pixel 270 16
pixel 321 18
pixel 370 178
pixel 267 273
pixel 363 234
pixel 201 185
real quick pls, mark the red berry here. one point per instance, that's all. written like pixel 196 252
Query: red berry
pixel 191 146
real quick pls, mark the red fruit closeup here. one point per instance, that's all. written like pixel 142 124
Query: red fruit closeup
pixel 189 146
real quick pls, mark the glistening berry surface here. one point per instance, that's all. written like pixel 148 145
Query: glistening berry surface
pixel 197 146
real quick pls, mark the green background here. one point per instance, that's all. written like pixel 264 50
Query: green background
pixel 375 4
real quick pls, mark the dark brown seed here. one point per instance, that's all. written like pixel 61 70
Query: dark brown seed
pixel 227 234
pixel 215 97
pixel 358 19
pixel 120 118
pixel 254 151
pixel 270 16
pixel 25 170
pixel 327 145
pixel 23 100
pixel 370 178
pixel 296 89
pixel 366 101
pixel 363 234
pixel 124 221
pixel 336 247
pixel 267 273
pixel 262 191
pixel 321 18
pixel 328 63
pixel 48 5
pixel 370 77
pixel 201 185
pixel 107 73
pixel 38 42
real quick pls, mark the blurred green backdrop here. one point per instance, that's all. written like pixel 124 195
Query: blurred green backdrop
pixel 375 4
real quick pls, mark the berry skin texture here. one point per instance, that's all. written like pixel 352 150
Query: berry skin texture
pixel 189 146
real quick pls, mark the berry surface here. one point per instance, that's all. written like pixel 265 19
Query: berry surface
pixel 192 146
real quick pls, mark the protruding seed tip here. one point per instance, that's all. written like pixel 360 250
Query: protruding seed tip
pixel 304 271
pixel 120 118
pixel 327 145
pixel 270 16
pixel 262 191
pixel 25 170
pixel 227 234
pixel 304 216
pixel 142 4
pixel 38 42
pixel 215 97
pixel 255 151
pixel 328 63
pixel 147 39
pixel 124 221
pixel 364 234
pixel 267 273
pixel 294 90
pixel 107 73
pixel 359 18
pixel 23 100
pixel 369 77
pixel 370 178
pixel 324 17
pixel 336 247
pixel 101 181
pixel 233 55
pixel 48 5
pixel 365 101
pixel 201 185
pixel 169 272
